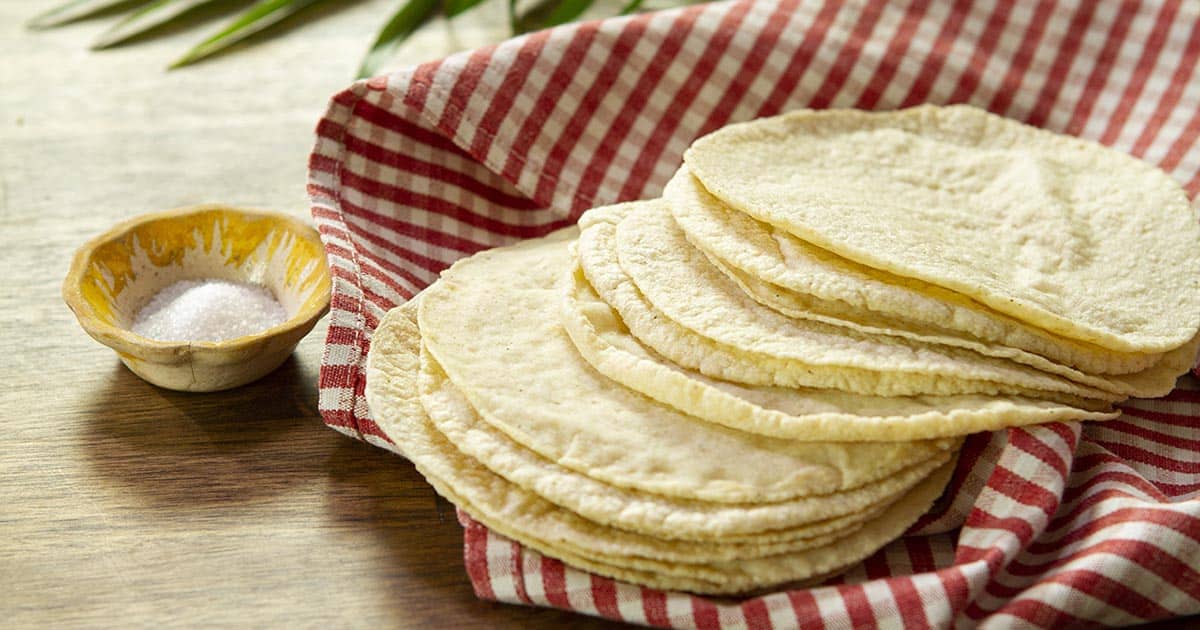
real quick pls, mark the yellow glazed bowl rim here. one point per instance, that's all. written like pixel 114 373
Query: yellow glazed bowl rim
pixel 126 341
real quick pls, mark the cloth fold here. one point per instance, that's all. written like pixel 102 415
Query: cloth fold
pixel 1044 527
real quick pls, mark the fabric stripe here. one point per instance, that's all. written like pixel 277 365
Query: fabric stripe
pixel 809 46
pixel 1149 57
pixel 572 56
pixel 684 99
pixel 1104 62
pixel 504 95
pixel 922 86
pixel 1068 48
pixel 1170 97
pixel 604 594
pixel 756 615
pixel 654 603
pixel 847 56
pixel 890 62
pixel 635 104
pixel 908 602
pixel 1010 85
pixel 554 582
pixel 475 559
pixel 984 50
pixel 754 63
pixel 557 158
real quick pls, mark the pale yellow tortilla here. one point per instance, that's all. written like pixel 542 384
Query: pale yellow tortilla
pixel 1081 240
pixel 662 517
pixel 511 511
pixel 1155 381
pixel 393 396
pixel 841 289
pixel 739 576
pixel 492 323
pixel 824 358
pixel 800 414
pixel 679 281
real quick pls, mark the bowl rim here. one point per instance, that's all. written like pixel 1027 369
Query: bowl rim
pixel 128 342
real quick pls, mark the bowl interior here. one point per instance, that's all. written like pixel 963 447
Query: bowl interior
pixel 125 270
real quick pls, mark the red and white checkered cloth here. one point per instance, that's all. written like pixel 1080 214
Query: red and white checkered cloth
pixel 1050 526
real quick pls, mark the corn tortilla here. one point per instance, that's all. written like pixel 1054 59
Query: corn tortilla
pixel 492 323
pixel 1065 234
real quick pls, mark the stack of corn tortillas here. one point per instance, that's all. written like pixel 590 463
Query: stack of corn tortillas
pixel 764 376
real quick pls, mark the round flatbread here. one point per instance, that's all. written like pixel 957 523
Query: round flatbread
pixel 662 517
pixel 492 323
pixel 393 395
pixel 800 414
pixel 824 358
pixel 737 576
pixel 507 509
pixel 1152 382
pixel 679 281
pixel 1081 240
pixel 842 289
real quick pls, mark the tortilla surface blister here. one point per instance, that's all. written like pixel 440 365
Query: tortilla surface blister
pixel 492 323
pixel 679 281
pixel 393 397
pixel 1051 230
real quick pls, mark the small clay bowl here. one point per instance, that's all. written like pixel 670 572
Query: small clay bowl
pixel 115 274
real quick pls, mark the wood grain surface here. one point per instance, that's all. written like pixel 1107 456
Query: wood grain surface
pixel 122 504
pixel 125 505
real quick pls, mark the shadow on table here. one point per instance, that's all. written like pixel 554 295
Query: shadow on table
pixel 219 448
pixel 381 493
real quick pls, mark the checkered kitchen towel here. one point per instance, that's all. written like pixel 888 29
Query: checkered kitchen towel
pixel 1047 526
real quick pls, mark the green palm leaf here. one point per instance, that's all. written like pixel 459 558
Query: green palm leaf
pixel 631 7
pixel 405 22
pixel 76 10
pixel 548 13
pixel 512 15
pixel 456 7
pixel 146 18
pixel 411 15
pixel 263 15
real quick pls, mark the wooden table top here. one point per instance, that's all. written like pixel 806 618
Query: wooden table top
pixel 124 504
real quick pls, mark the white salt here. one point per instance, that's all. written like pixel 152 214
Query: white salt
pixel 208 310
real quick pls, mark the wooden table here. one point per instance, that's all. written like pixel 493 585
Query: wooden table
pixel 124 504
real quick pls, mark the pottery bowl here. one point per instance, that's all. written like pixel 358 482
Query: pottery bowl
pixel 117 273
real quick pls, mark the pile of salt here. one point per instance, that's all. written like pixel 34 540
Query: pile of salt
pixel 208 310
